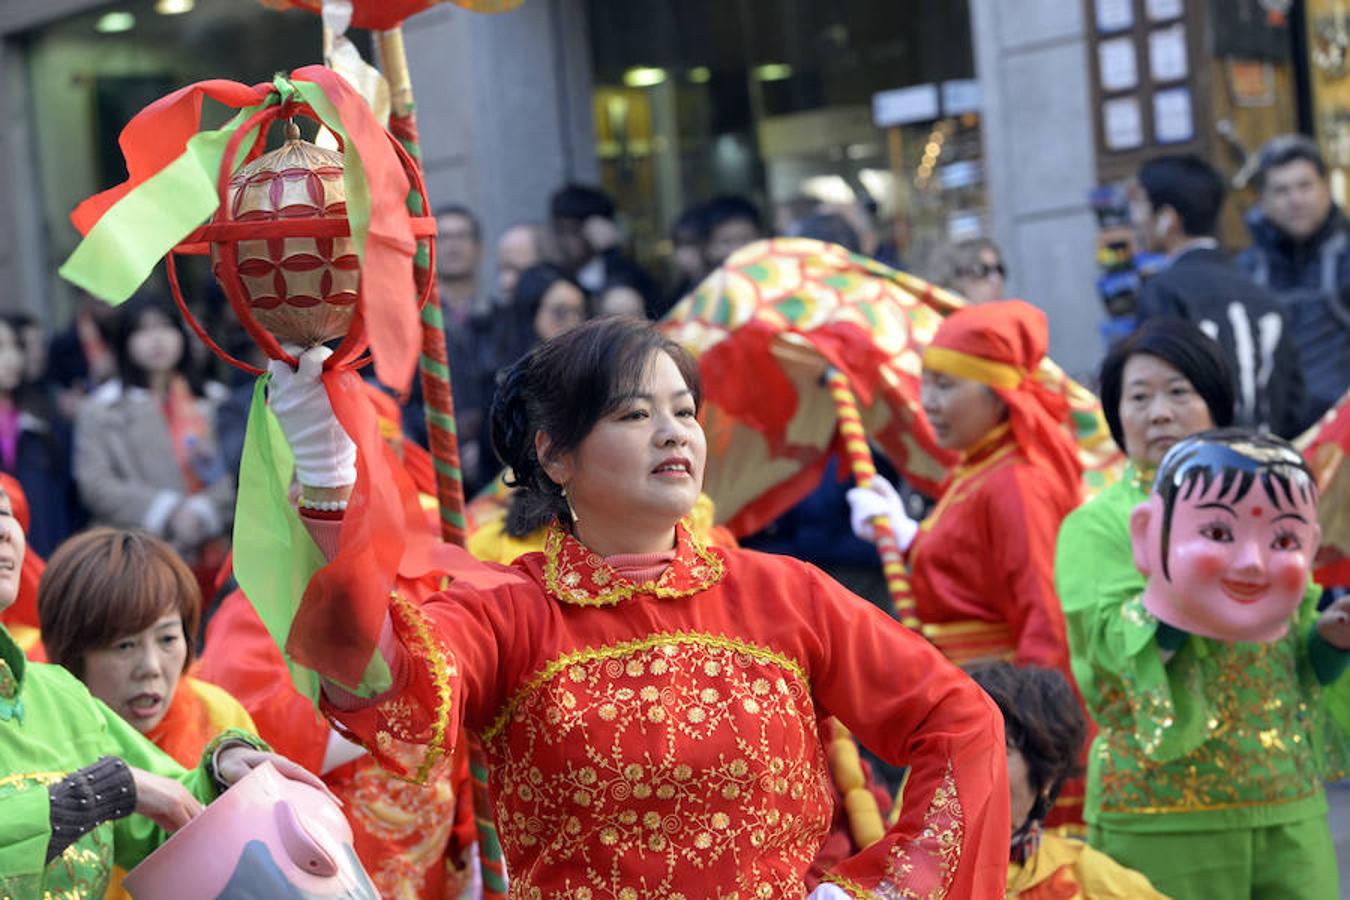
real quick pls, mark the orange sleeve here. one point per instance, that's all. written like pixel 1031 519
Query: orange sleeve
pixel 898 695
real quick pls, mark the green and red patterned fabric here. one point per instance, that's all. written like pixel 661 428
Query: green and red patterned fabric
pixel 767 325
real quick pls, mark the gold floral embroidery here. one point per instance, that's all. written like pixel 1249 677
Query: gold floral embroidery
pixel 400 719
pixel 575 574
pixel 924 867
pixel 1254 709
pixel 81 870
pixel 592 654
pixel 47 779
pixel 636 769
pixel 852 888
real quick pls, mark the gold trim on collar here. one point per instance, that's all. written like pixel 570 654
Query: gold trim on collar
pixel 573 573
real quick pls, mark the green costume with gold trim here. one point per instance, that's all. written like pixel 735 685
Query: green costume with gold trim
pixel 50 726
pixel 1222 737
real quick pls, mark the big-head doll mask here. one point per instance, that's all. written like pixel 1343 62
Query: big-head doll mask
pixel 1228 537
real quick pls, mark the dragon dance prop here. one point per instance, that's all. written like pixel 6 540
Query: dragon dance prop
pixel 771 326
pixel 1325 446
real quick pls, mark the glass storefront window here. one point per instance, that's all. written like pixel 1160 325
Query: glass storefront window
pixel 87 75
pixel 773 99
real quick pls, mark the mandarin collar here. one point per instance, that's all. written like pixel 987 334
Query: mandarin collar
pixel 576 574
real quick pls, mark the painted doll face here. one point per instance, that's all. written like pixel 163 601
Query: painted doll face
pixel 1228 568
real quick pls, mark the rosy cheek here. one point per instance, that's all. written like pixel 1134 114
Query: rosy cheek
pixel 1207 566
pixel 1290 572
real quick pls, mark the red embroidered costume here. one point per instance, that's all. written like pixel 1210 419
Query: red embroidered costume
pixel 661 740
pixel 982 564
pixel 411 838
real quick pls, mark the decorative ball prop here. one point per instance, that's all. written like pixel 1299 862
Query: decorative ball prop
pixel 281 246
pixel 301 289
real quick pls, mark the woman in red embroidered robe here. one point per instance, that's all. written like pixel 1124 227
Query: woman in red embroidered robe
pixel 649 706
pixel 981 566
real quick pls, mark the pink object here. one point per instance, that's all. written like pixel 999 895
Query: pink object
pixel 267 836
pixel 1229 569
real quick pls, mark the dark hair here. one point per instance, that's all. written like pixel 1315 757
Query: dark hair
pixel 1190 186
pixel 830 227
pixel 691 226
pixel 126 322
pixel 29 395
pixel 531 287
pixel 1283 150
pixel 562 388
pixel 580 202
pixel 1234 459
pixel 1182 345
pixel 107 583
pixel 463 212
pixel 729 208
pixel 1042 719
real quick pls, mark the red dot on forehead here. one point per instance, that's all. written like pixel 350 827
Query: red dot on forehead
pixel 1256 511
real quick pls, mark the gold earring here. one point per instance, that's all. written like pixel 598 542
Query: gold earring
pixel 570 509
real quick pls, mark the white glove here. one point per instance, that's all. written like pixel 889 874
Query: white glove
pixel 828 892
pixel 881 499
pixel 324 455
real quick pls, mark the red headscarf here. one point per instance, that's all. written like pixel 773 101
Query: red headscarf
pixel 1001 345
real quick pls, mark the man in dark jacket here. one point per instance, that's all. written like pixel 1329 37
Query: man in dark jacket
pixel 1301 251
pixel 1184 196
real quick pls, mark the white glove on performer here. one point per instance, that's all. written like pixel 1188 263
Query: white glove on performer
pixel 828 892
pixel 881 499
pixel 324 455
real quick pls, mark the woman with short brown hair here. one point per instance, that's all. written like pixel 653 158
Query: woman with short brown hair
pixel 119 609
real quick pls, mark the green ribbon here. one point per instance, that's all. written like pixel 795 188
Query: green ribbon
pixel 128 241
pixel 274 556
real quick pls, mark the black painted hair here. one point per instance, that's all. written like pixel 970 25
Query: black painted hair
pixel 1183 346
pixel 1235 460
pixel 563 388
pixel 1190 186
pixel 1042 719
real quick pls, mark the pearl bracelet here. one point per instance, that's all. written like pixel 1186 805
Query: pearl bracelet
pixel 322 505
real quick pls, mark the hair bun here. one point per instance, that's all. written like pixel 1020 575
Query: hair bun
pixel 510 431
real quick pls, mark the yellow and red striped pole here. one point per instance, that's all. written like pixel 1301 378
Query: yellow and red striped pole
pixel 864 469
